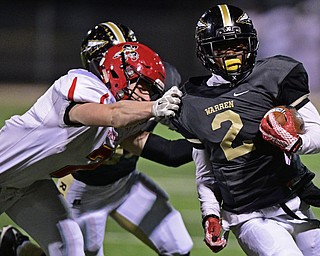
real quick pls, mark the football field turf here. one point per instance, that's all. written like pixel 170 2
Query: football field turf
pixel 179 183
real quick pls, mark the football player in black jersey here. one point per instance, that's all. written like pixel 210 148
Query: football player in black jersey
pixel 116 188
pixel 242 178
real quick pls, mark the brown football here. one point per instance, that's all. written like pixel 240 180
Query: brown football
pixel 279 113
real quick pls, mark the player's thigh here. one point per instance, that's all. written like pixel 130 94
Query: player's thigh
pixel 93 226
pixel 147 213
pixel 39 211
pixel 145 205
pixel 91 205
pixel 308 238
pixel 263 237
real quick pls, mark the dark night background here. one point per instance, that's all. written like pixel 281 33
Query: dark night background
pixel 40 40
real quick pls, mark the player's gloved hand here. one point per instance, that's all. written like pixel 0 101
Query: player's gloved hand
pixel 285 137
pixel 168 103
pixel 212 230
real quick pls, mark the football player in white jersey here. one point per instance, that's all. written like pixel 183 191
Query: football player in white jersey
pixel 69 128
pixel 116 188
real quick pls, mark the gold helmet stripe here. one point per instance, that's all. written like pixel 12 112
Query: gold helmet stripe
pixel 116 31
pixel 226 18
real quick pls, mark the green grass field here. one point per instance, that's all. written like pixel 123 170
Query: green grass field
pixel 180 185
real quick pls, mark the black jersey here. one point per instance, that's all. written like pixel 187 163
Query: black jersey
pixel 121 164
pixel 249 171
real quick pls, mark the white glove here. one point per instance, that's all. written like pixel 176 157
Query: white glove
pixel 168 103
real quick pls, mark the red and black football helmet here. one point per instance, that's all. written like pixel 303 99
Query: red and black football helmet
pixel 129 62
pixel 225 27
pixel 100 38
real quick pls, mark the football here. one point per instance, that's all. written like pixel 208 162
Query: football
pixel 279 113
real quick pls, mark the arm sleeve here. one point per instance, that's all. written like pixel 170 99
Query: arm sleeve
pixel 66 117
pixel 311 137
pixel 78 87
pixel 173 76
pixel 167 152
pixel 207 191
pixel 295 87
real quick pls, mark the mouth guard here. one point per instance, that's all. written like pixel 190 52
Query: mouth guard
pixel 233 64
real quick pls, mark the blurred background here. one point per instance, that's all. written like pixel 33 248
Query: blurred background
pixel 40 40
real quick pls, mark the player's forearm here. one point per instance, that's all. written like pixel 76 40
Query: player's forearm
pixel 119 114
pixel 160 150
pixel 135 143
pixel 208 194
pixel 209 204
pixel 311 138
pixel 167 152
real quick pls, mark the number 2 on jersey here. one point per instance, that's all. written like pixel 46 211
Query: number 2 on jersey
pixel 226 143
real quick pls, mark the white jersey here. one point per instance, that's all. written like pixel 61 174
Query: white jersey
pixel 37 143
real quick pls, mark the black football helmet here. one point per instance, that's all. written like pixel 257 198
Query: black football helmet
pixel 100 38
pixel 226 41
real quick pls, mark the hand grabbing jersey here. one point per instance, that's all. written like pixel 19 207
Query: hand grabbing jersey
pixel 168 104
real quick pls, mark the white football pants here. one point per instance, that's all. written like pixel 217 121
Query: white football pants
pixel 138 205
pixel 43 213
pixel 279 236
